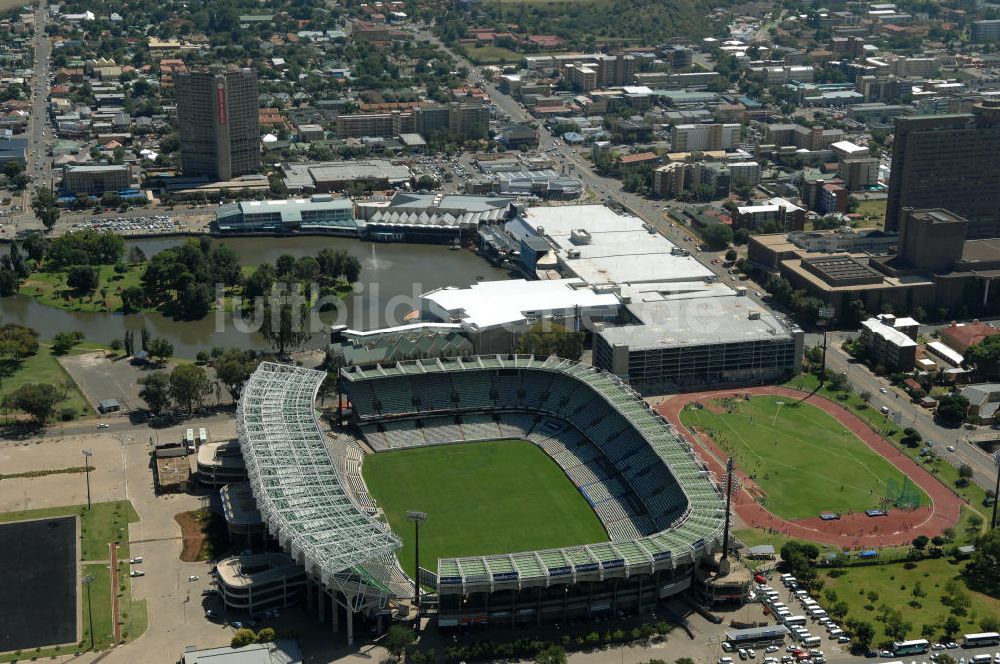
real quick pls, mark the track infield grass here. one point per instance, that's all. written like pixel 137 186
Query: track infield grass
pixel 481 498
pixel 804 460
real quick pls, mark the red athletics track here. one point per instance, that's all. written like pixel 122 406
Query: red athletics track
pixel 899 527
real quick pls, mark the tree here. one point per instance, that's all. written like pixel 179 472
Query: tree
pixel 547 338
pixel 951 626
pixel 144 339
pixel 731 255
pixel 553 654
pixel 895 627
pixel 36 399
pixel 128 342
pixel 864 632
pixel 952 408
pixel 43 203
pixel 233 368
pixel 259 282
pixel 285 321
pixel 195 302
pixel 284 265
pixel 132 299
pixel 965 475
pixel 9 283
pixel 266 635
pixel 984 357
pixel 83 278
pixel 17 341
pixel 155 391
pixel 243 637
pixel 717 236
pixel 189 385
pixel 990 624
pixel 64 342
pixel 983 571
pixel 920 542
pixel 398 640
pixel 159 350
pixel 866 396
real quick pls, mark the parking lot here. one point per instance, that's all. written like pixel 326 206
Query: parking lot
pixel 153 223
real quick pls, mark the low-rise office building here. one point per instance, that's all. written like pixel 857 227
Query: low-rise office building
pixel 96 180
pixel 334 176
pixel 318 213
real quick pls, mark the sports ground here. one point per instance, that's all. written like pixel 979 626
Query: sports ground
pixel 813 452
pixel 802 461
pixel 481 498
pixel 37 583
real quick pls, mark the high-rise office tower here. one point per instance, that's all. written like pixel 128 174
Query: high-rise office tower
pixel 949 162
pixel 219 125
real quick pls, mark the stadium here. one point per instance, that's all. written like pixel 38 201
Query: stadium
pixel 661 509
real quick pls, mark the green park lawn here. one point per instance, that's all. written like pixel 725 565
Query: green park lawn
pixel 872 213
pixel 894 585
pixel 804 460
pixel 49 288
pixel 100 525
pixel 492 55
pixel 481 498
pixel 42 367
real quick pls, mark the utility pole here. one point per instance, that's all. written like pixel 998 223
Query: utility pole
pixel 729 507
pixel 86 468
pixel 87 580
pixel 825 313
pixel 417 518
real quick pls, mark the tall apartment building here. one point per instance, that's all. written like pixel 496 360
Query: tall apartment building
pixel 217 110
pixel 985 31
pixel 701 137
pixel 948 161
pixel 858 172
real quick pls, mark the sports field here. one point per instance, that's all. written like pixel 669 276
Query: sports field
pixel 803 460
pixel 481 498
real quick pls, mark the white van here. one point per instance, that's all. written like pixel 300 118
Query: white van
pixel 792 621
pixel 836 633
pixel 981 659
pixel 812 641
pixel 817 612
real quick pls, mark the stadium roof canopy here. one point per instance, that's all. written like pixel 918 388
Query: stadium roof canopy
pixel 299 488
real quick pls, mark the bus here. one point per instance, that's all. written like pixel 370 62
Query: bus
pixel 911 647
pixel 982 639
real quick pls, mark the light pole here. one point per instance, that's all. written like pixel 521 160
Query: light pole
pixel 87 580
pixel 86 469
pixel 825 313
pixel 996 489
pixel 416 517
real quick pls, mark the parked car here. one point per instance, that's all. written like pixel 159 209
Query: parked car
pixel 133 561
pixel 137 572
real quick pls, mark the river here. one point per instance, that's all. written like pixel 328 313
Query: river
pixel 392 279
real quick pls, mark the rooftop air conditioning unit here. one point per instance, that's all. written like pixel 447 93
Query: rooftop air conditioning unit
pixel 754 315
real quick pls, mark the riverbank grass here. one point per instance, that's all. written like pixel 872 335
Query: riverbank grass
pixel 43 367
pixel 50 289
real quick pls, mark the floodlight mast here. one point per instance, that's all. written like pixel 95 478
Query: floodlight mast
pixel 416 517
pixel 825 313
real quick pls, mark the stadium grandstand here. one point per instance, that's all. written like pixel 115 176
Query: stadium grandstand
pixel 653 495
pixel 661 508
pixel 297 477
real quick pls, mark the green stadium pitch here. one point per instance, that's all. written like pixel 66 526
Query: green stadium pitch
pixel 804 460
pixel 481 498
